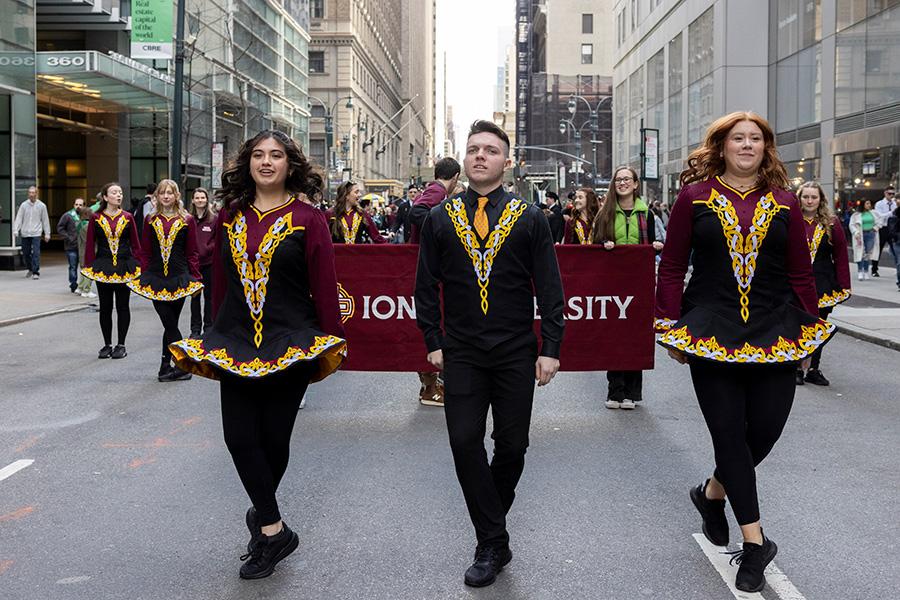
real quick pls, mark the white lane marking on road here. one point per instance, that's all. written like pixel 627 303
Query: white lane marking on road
pixel 69 580
pixel 12 469
pixel 776 580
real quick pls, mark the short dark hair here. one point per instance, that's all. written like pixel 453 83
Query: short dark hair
pixel 446 168
pixel 151 187
pixel 482 126
pixel 411 186
pixel 553 195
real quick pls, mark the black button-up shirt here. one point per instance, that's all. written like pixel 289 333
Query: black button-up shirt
pixel 523 269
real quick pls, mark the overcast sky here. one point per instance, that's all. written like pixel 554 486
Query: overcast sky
pixel 473 33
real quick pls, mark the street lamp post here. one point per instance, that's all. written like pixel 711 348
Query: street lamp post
pixel 329 136
pixel 593 121
pixel 564 125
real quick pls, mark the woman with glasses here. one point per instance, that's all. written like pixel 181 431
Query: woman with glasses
pixel 277 325
pixel 748 316
pixel 625 219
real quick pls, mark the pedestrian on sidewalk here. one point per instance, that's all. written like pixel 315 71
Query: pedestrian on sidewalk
pixel 487 348
pixel 347 217
pixel 894 235
pixel 742 329
pixel 864 234
pixel 205 216
pixel 142 207
pixel 831 266
pixel 31 221
pixel 67 227
pixel 84 220
pixel 624 220
pixel 111 259
pixel 170 268
pixel 277 324
pixel 446 174
pixel 883 209
pixel 553 212
pixel 585 207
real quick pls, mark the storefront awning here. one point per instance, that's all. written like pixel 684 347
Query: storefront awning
pixel 95 82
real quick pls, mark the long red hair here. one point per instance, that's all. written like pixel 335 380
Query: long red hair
pixel 707 161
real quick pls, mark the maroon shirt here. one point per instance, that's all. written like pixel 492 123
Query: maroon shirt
pixel 433 194
pixel 570 236
pixel 206 239
pixel 679 240
pixel 369 224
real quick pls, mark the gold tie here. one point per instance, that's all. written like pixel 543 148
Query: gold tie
pixel 481 220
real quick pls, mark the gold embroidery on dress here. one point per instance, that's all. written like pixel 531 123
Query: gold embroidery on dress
pixel 112 237
pixel 165 295
pixel 166 242
pixel 833 298
pixel 811 337
pixel 350 232
pixel 483 261
pixel 743 249
pixel 255 274
pixel 579 232
pixel 815 241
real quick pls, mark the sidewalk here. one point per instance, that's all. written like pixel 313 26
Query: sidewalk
pixel 872 313
pixel 25 299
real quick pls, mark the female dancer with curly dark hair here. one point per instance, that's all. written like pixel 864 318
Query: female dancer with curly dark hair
pixel 748 316
pixel 584 210
pixel 277 324
pixel 347 218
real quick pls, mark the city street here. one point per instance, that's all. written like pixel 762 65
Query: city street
pixel 132 494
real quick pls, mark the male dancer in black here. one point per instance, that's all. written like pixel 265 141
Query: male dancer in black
pixel 493 254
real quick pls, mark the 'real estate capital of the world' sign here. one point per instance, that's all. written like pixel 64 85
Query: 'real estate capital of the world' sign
pixel 151 29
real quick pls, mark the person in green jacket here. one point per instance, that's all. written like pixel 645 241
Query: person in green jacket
pixel 624 219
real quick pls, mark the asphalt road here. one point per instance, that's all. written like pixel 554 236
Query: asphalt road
pixel 132 493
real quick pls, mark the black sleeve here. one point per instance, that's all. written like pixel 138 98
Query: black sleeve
pixel 651 227
pixel 547 286
pixel 417 214
pixel 428 293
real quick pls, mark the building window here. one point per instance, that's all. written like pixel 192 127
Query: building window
pixel 317 61
pixel 587 23
pixel 317 111
pixel 587 54
pixel 317 9
pixel 676 83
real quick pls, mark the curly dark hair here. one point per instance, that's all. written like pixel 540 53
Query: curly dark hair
pixel 238 188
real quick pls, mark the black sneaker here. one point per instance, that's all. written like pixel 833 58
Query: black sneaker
pixel 252 520
pixel 799 377
pixel 875 274
pixel 753 560
pixel 119 351
pixel 268 551
pixel 815 377
pixel 175 374
pixel 105 352
pixel 715 525
pixel 489 561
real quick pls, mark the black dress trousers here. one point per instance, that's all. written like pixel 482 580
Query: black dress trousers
pixel 502 379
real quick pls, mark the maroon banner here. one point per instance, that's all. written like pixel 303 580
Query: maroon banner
pixel 609 307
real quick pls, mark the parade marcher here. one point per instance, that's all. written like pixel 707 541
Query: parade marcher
pixel 894 236
pixel 585 207
pixel 625 219
pixel 553 212
pixel 831 266
pixel 277 324
pixel 31 221
pixel 491 254
pixel 883 209
pixel 446 175
pixel 205 216
pixel 400 228
pixel 864 235
pixel 84 220
pixel 67 227
pixel 170 268
pixel 747 316
pixel 348 221
pixel 111 254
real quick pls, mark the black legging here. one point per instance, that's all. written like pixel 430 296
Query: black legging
pixel 168 313
pixel 106 292
pixel 817 355
pixel 257 418
pixel 202 320
pixel 746 408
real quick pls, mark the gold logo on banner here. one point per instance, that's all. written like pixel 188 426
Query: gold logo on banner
pixel 346 304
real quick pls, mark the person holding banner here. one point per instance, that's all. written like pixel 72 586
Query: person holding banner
pixel 831 265
pixel 347 217
pixel 624 219
pixel 170 268
pixel 584 210
pixel 748 316
pixel 492 254
pixel 277 325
